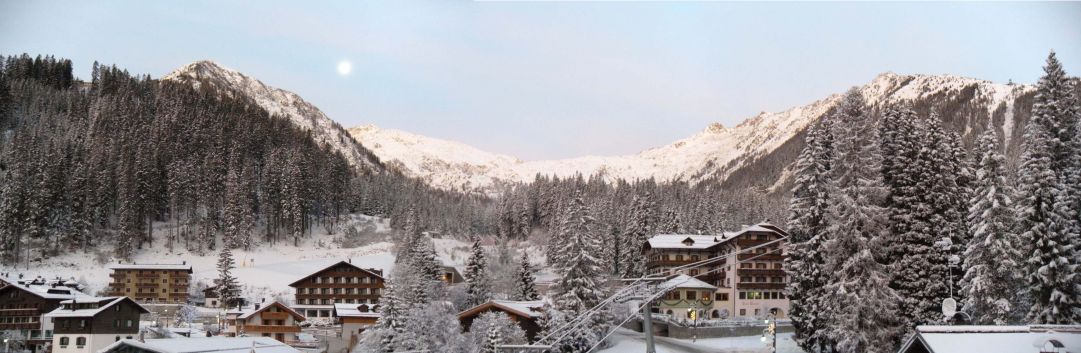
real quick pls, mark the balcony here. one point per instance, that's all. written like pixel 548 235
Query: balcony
pixel 147 275
pixel 760 272
pixel 746 243
pixel 274 316
pixel 762 257
pixel 655 263
pixel 21 326
pixel 146 284
pixel 19 312
pixel 760 285
pixel 270 328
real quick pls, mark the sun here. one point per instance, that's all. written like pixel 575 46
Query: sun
pixel 345 67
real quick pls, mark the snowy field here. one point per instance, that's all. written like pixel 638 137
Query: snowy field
pixel 626 341
pixel 265 271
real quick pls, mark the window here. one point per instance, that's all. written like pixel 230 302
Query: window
pixel 80 341
pixel 760 265
pixel 128 323
pixel 64 341
pixel 116 323
pixel 694 258
pixel 82 323
pixel 742 295
pixel 757 312
pixel 720 296
pixel 692 295
pixel 746 265
pixel 679 257
pixel 742 312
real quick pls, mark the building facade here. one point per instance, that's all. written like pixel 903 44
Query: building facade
pixel 151 283
pixel 88 325
pixel 23 308
pixel 355 318
pixel 274 320
pixel 523 313
pixel 749 282
pixel 341 283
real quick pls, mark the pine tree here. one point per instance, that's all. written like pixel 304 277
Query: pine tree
pixel 859 308
pixel 807 232
pixel 1048 196
pixel 491 345
pixel 479 285
pixel 392 316
pixel 525 288
pixel 228 288
pixel 635 234
pixel 993 259
pixel 579 287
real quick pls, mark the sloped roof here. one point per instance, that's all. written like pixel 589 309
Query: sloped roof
pixel 248 312
pixel 353 310
pixel 530 309
pixel 295 283
pixel 704 241
pixel 48 292
pixel 167 267
pixel 217 344
pixel 111 301
pixel 994 339
pixel 685 281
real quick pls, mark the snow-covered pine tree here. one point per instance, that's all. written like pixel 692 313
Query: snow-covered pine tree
pixel 637 232
pixel 392 316
pixel 228 288
pixel 992 261
pixel 580 286
pixel 859 309
pixel 526 288
pixel 807 231
pixel 1047 199
pixel 478 285
pixel 491 345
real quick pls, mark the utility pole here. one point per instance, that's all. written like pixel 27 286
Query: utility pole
pixel 647 326
pixel 769 335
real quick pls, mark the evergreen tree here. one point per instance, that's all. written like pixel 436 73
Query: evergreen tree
pixel 479 285
pixel 392 316
pixel 636 233
pixel 807 232
pixel 525 288
pixel 579 287
pixel 993 259
pixel 1047 177
pixel 228 288
pixel 859 308
pixel 491 345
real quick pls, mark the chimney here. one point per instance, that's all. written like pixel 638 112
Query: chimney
pixel 350 260
pixel 264 299
pixel 185 262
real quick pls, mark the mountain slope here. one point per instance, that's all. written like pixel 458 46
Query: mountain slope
pixel 754 153
pixel 278 102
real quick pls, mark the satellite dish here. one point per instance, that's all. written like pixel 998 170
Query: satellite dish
pixel 949 307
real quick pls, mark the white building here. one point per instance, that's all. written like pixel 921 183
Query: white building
pixel 87 325
pixel 201 345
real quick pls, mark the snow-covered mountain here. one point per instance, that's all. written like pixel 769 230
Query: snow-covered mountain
pixel 715 152
pixel 278 102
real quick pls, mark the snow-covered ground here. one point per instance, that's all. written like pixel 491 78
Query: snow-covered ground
pixel 265 271
pixel 626 341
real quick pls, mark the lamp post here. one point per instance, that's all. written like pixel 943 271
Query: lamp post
pixel 6 343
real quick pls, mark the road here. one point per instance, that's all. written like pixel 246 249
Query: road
pixel 681 346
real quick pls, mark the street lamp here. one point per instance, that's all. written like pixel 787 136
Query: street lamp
pixel 6 348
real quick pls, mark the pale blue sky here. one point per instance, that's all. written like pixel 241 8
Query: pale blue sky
pixel 553 79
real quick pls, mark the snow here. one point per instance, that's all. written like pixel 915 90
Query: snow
pixel 996 339
pixel 49 292
pixel 685 281
pixel 715 151
pixel 523 308
pixel 628 341
pixel 138 266
pixel 676 241
pixel 209 344
pixel 276 101
pixel 62 312
pixel 350 310
pixel 265 271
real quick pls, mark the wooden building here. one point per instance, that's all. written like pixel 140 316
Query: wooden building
pixel 343 283
pixel 525 313
pixel 23 307
pixel 355 318
pixel 151 283
pixel 273 320
pixel 451 275
pixel 750 281
pixel 87 325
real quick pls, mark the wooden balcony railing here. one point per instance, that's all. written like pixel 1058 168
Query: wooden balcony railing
pixel 270 328
pixel 760 272
pixel 274 316
pixel 762 257
pixel 761 285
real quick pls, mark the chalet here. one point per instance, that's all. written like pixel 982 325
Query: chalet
pixel 994 339
pixel 750 281
pixel 273 320
pixel 201 345
pixel 213 300
pixel 525 313
pixel 86 325
pixel 355 318
pixel 23 308
pixel 341 282
pixel 151 283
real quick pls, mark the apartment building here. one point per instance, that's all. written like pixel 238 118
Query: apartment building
pixel 151 283
pixel 342 283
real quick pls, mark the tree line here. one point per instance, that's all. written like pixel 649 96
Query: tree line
pixel 890 216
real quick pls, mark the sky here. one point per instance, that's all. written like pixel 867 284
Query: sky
pixel 547 79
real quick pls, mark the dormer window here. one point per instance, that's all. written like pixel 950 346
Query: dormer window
pixel 688 242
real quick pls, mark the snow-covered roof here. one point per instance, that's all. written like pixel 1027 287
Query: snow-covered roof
pixel 50 292
pixel 994 339
pixel 105 303
pixel 374 272
pixel 705 241
pixel 353 310
pixel 206 344
pixel 531 308
pixel 245 313
pixel 134 266
pixel 685 281
pixel 684 241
